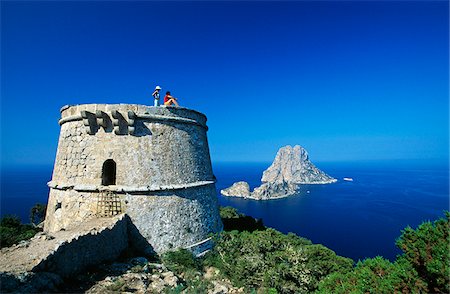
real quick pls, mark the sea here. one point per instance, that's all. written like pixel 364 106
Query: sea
pixel 357 219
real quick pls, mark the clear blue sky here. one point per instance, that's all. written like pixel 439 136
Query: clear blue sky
pixel 346 80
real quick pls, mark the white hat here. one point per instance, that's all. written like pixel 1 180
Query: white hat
pixel 157 88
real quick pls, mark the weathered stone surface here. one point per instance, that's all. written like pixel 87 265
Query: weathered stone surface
pixel 273 190
pixel 40 263
pixel 239 189
pixel 159 152
pixel 292 165
pixel 290 169
pixel 136 283
pixel 264 192
pixel 163 173
pixel 174 219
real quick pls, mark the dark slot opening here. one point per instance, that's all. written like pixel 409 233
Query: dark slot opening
pixel 109 173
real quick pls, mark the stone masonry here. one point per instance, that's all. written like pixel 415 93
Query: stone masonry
pixel 39 265
pixel 151 163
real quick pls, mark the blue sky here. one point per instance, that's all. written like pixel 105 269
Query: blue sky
pixel 348 81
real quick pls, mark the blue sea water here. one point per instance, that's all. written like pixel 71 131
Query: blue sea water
pixel 356 219
pixel 21 187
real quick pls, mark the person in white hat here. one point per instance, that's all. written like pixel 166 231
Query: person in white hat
pixel 156 95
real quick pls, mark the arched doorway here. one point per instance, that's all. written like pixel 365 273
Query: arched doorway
pixel 109 173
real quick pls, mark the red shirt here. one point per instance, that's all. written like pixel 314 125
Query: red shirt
pixel 166 98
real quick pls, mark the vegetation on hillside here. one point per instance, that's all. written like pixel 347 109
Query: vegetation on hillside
pixel 12 231
pixel 423 268
pixel 263 260
pixel 427 249
pixel 37 213
pixel 233 220
pixel 271 261
pixel 258 259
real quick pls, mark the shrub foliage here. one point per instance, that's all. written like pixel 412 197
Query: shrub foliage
pixel 232 220
pixel 427 249
pixel 12 231
pixel 270 261
pixel 37 213
pixel 423 268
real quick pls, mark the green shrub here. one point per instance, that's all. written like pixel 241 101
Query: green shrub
pixel 375 275
pixel 229 212
pixel 423 268
pixel 269 259
pixel 232 220
pixel 12 231
pixel 117 286
pixel 180 261
pixel 427 249
pixel 37 213
pixel 10 221
pixel 184 264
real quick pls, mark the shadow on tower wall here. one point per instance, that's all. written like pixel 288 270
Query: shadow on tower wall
pixel 136 242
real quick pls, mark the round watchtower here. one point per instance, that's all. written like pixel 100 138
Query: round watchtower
pixel 151 163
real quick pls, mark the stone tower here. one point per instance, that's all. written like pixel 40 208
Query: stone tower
pixel 151 163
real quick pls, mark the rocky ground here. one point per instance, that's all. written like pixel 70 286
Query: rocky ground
pixel 127 275
pixel 68 261
pixel 45 251
pixel 138 275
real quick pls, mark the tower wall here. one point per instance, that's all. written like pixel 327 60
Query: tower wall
pixel 162 171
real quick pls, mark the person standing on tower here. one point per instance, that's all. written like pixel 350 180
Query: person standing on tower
pixel 156 95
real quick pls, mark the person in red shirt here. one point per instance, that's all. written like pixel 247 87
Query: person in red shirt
pixel 169 100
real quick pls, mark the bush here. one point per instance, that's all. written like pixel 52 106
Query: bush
pixel 12 231
pixel 257 258
pixel 180 261
pixel 232 220
pixel 37 213
pixel 117 286
pixel 427 249
pixel 264 260
pixel 229 212
pixel 424 266
pixel 184 264
pixel 375 275
pixel 267 261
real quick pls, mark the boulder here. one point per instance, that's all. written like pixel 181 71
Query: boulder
pixel 238 189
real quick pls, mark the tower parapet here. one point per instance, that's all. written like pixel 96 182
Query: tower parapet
pixel 152 163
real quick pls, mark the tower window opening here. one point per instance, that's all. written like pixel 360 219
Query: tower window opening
pixel 109 173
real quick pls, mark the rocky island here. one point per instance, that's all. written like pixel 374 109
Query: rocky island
pixel 290 169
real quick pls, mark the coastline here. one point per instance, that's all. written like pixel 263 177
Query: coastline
pixel 280 196
pixel 259 199
pixel 377 192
